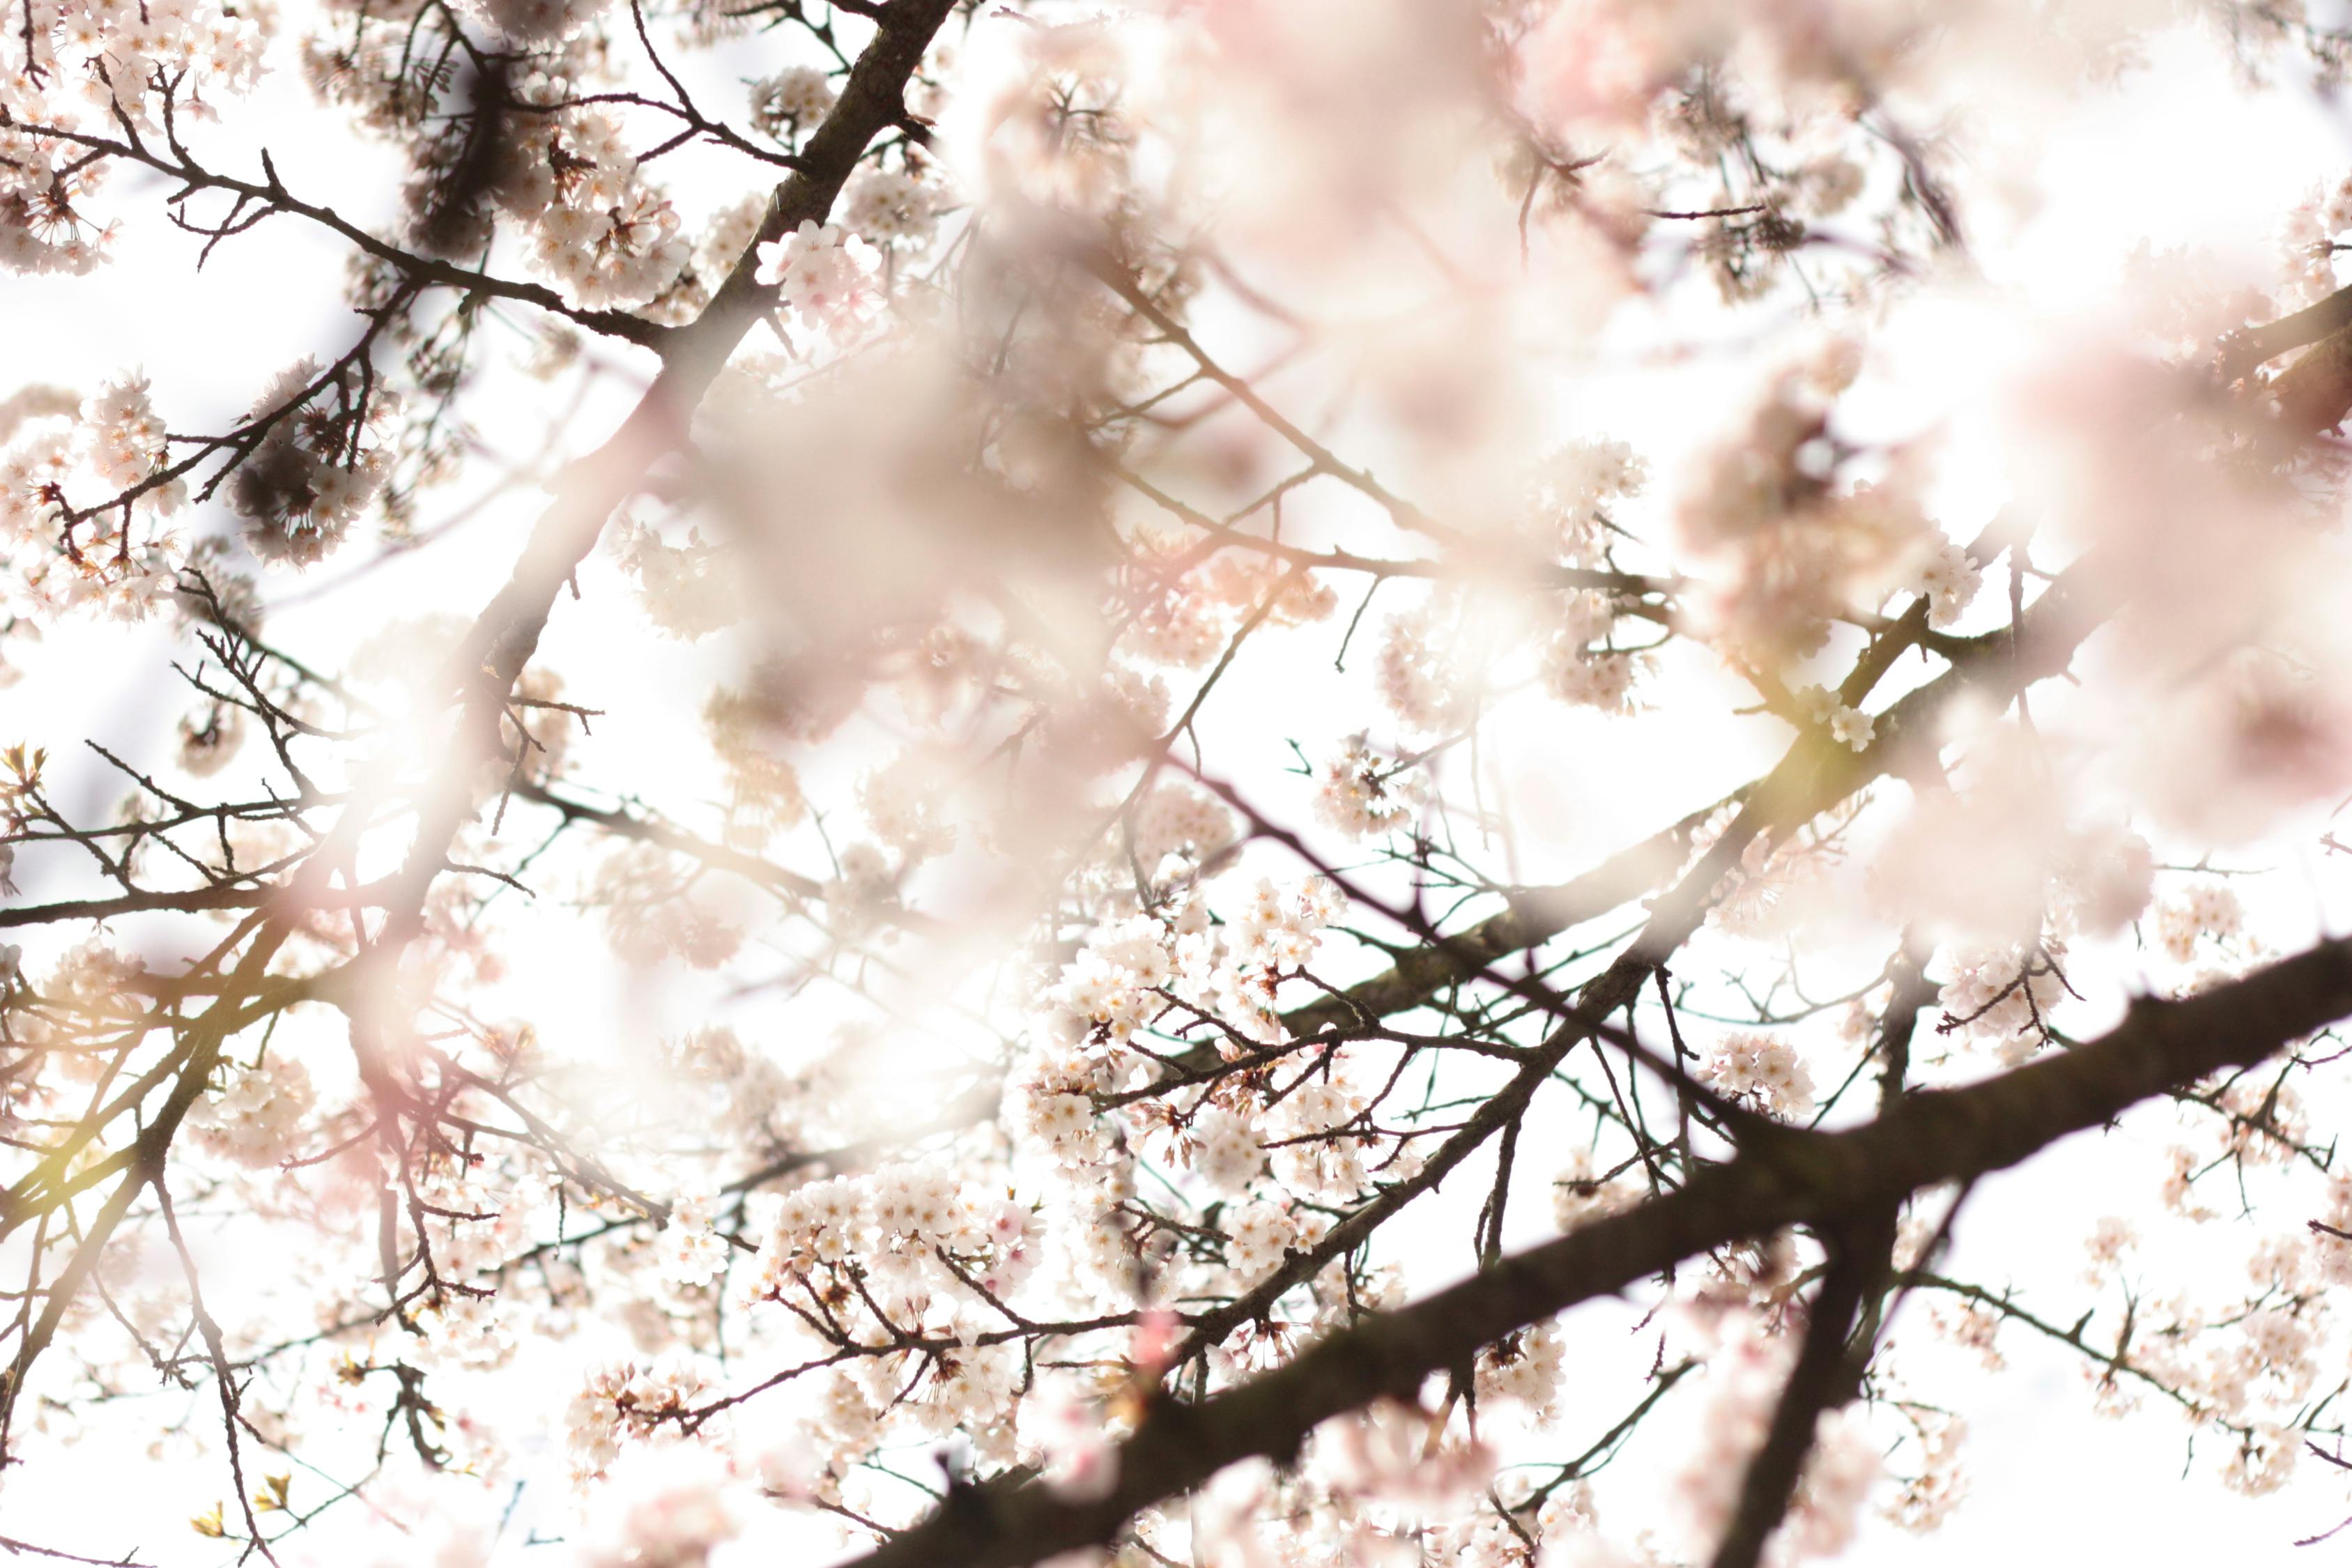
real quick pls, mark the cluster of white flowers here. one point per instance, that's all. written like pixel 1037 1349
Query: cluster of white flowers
pixel 1758 897
pixel 763 789
pixel 889 207
pixel 1112 988
pixel 603 234
pixel 1080 1452
pixel 478 1333
pixel 1177 819
pixel 1592 677
pixel 906 803
pixel 43 225
pixel 1571 491
pixel 906 1249
pixel 83 457
pixel 1062 1121
pixel 1319 1139
pixel 2333 1248
pixel 1190 621
pixel 1576 669
pixel 1763 1069
pixel 1098 724
pixel 665 1508
pixel 619 1401
pixel 1225 1152
pixel 317 468
pixel 261 1117
pixel 692 1251
pixel 1974 1328
pixel 1849 727
pixel 792 102
pixel 1392 1455
pixel 826 276
pixel 1361 792
pixel 1421 679
pixel 894 1224
pixel 1844 1465
pixel 2209 912
pixel 82 59
pixel 1788 550
pixel 2102 1253
pixel 485 1216
pixel 2102 882
pixel 1580 1196
pixel 2311 227
pixel 535 24
pixel 77 1035
pixel 1279 930
pixel 688 590
pixel 1257 1236
pixel 1524 1368
pixel 2271 1356
pixel 655 908
pixel 1948 581
pixel 121 435
pixel 2263 1459
pixel 1928 1496
pixel 1180 627
pixel 90 978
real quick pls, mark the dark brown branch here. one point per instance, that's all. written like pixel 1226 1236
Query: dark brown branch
pixel 1821 1381
pixel 1820 1179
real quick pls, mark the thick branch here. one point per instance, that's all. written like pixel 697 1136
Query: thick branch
pixel 1822 1179
pixel 2241 351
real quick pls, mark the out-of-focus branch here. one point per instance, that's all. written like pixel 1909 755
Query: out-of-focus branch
pixel 2314 393
pixel 2241 351
pixel 1822 1379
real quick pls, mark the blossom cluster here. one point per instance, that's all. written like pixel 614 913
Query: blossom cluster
pixel 1765 1070
pixel 595 226
pixel 84 457
pixel 79 64
pixel 261 1117
pixel 1361 794
pixel 824 274
pixel 317 467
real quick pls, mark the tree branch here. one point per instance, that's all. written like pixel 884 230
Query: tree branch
pixel 1818 1179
